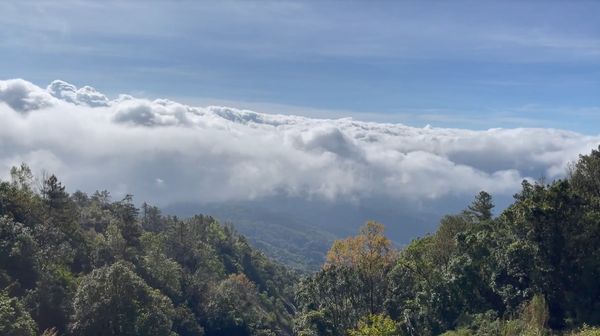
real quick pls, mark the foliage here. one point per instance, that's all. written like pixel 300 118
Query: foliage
pixel 336 294
pixel 532 270
pixel 235 308
pixel 535 316
pixel 17 255
pixel 73 264
pixel 370 255
pixel 587 331
pixel 14 318
pixel 375 325
pixel 352 283
pixel 482 206
pixel 115 301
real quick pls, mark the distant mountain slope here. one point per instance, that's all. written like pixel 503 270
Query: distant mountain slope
pixel 298 232
pixel 285 238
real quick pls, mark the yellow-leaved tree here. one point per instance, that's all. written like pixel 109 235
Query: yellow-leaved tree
pixel 371 255
pixel 375 325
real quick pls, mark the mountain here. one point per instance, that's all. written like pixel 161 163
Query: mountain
pixel 298 232
pixel 291 240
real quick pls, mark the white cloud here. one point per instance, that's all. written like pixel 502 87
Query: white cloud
pixel 23 96
pixel 86 95
pixel 218 153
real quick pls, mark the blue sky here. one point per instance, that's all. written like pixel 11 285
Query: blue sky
pixel 461 64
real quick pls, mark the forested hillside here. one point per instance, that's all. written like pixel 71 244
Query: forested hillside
pixel 89 265
pixel 533 270
pixel 77 264
pixel 295 242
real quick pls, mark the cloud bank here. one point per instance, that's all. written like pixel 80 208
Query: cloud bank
pixel 166 152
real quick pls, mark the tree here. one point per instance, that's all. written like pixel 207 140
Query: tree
pixel 50 301
pixel 482 206
pixel 151 218
pixel 444 240
pixel 371 254
pixel 54 194
pixel 421 297
pixel 376 325
pixel 113 300
pixel 235 308
pixel 560 230
pixel 14 318
pixel 18 252
pixel 585 176
pixel 352 283
pixel 130 228
pixel 21 177
pixel 61 236
pixel 159 270
pixel 331 300
pixel 185 322
pixel 314 323
pixel 18 199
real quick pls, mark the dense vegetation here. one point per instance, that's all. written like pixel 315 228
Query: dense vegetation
pixel 87 265
pixel 299 243
pixel 75 264
pixel 532 270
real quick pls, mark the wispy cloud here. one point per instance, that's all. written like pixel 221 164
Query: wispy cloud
pixel 297 29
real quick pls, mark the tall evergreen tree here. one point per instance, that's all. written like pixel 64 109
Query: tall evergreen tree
pixel 482 206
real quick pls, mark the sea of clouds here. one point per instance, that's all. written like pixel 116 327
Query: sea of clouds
pixel 166 152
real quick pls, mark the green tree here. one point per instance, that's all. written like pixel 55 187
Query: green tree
pixel 585 177
pixel 314 323
pixel 18 250
pixel 235 308
pixel 22 178
pixel 14 318
pixel 159 270
pixel 185 322
pixel 336 292
pixel 18 199
pixel 376 325
pixel 482 206
pixel 113 300
pixel 62 239
pixel 551 223
pixel 50 301
pixel 151 218
pixel 128 223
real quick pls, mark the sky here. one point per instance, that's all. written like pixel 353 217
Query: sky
pixel 462 64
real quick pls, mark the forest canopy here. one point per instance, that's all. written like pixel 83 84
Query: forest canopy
pixel 83 264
